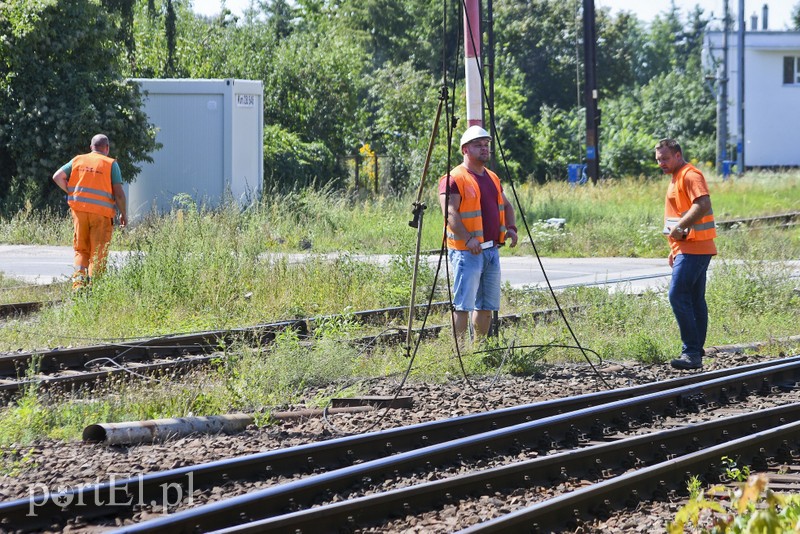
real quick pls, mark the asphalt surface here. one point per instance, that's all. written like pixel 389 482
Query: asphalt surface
pixel 47 264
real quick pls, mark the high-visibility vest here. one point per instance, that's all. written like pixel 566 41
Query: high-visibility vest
pixel 701 230
pixel 470 207
pixel 89 185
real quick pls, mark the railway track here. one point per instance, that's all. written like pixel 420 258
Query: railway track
pixel 24 308
pixel 547 465
pixel 782 219
pixel 91 365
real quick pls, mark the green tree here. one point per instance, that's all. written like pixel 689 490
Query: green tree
pixel 280 17
pixel 675 44
pixel 558 141
pixel 60 83
pixel 515 130
pixel 621 60
pixel 670 105
pixel 403 101
pixel 537 38
pixel 796 16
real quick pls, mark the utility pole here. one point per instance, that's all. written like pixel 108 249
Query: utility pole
pixel 740 103
pixel 489 65
pixel 590 91
pixel 722 103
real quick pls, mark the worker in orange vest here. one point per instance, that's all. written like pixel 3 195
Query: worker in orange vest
pixel 690 229
pixel 93 184
pixel 479 220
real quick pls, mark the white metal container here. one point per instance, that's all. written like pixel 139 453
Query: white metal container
pixel 212 134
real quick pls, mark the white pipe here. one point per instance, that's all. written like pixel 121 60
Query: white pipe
pixel 132 432
pixel 161 429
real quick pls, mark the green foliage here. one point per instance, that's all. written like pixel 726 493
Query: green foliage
pixel 311 85
pixel 537 40
pixel 558 141
pixel 403 102
pixel 796 16
pixel 291 163
pixel 61 82
pixel 515 130
pixel 694 486
pixel 634 122
pixel 752 287
pixel 622 61
pixel 733 471
pixel 754 508
pixel 502 355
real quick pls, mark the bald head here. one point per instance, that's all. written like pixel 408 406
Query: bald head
pixel 99 143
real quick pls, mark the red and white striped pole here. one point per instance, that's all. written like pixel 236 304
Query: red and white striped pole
pixel 472 50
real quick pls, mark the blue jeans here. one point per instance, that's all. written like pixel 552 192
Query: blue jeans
pixel 687 295
pixel 476 279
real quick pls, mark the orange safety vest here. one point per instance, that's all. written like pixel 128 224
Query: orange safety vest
pixel 702 230
pixel 89 185
pixel 470 208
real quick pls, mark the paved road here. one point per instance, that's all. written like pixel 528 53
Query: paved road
pixel 46 264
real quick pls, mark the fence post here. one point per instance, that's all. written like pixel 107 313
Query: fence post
pixel 358 166
pixel 376 173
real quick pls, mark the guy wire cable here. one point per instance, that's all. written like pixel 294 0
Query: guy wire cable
pixel 522 213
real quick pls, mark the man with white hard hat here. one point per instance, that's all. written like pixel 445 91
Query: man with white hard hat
pixel 479 220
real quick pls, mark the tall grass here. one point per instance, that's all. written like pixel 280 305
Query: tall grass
pixel 198 270
pixel 614 218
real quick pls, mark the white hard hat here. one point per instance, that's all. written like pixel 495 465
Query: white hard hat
pixel 472 133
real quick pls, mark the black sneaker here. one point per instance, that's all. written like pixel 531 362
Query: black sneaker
pixel 687 361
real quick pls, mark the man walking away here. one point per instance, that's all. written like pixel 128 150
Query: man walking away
pixel 93 183
pixel 479 218
pixel 690 229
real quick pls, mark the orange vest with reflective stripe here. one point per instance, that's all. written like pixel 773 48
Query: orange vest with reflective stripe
pixel 470 208
pixel 701 230
pixel 89 185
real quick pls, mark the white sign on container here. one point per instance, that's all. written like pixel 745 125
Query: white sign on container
pixel 245 101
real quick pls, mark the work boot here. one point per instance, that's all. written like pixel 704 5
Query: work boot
pixel 78 280
pixel 688 361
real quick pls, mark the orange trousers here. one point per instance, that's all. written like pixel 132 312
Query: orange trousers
pixel 90 241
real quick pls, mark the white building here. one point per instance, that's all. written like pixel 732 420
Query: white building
pixel 771 94
pixel 212 137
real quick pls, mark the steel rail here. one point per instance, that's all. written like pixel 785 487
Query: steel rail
pixel 749 221
pixel 16 364
pixel 334 453
pixel 543 433
pixel 169 345
pixel 10 387
pixel 647 483
pixel 23 308
pixel 595 460
pixel 60 360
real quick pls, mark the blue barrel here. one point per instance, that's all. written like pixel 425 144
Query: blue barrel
pixel 727 167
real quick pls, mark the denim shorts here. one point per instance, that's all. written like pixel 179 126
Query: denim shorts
pixel 476 279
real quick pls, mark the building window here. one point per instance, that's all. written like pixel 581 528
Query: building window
pixel 791 70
